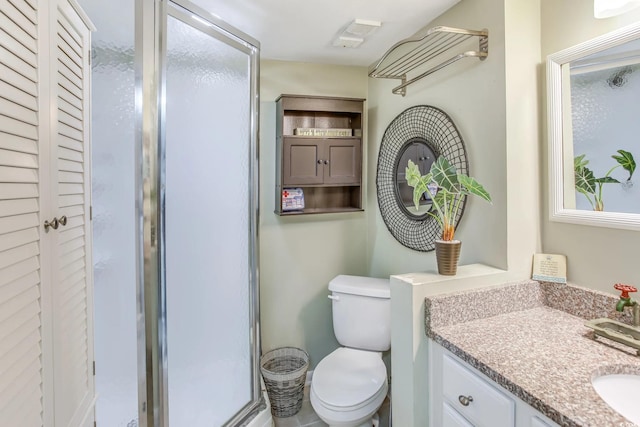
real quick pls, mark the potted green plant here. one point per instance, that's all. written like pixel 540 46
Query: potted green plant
pixel 446 198
pixel 590 186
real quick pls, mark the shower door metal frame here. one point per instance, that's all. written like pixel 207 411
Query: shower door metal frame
pixel 151 66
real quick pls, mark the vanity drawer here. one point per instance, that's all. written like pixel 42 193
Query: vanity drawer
pixel 474 398
pixel 452 418
pixel 537 422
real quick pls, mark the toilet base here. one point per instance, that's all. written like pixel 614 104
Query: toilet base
pixel 372 422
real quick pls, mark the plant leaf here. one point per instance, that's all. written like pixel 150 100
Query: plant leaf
pixel 607 180
pixel 438 199
pixel 579 162
pixel 625 159
pixel 417 181
pixel 412 174
pixel 585 181
pixel 471 186
pixel 583 191
pixel 445 175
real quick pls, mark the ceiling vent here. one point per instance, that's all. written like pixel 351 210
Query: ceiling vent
pixel 345 41
pixel 362 27
pixel 353 36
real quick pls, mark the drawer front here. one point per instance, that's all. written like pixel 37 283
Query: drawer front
pixel 452 418
pixel 485 405
pixel 537 422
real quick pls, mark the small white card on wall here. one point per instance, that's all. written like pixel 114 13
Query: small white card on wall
pixel 550 268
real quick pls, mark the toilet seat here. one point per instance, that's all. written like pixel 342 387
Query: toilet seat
pixel 349 379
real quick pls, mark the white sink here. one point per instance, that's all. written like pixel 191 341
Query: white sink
pixel 621 392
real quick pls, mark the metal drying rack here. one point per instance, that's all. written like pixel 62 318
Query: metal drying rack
pixel 413 54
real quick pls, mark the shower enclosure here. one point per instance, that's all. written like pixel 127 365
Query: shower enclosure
pixel 199 219
pixel 189 141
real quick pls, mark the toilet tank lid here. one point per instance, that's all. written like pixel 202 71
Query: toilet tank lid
pixel 358 285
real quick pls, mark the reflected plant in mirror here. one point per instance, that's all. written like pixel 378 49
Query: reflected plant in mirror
pixel 604 92
pixel 450 190
pixel 592 91
pixel 591 187
pixel 419 152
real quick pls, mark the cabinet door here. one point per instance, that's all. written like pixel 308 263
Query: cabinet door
pixel 71 266
pixel 45 292
pixel 21 332
pixel 302 162
pixel 343 161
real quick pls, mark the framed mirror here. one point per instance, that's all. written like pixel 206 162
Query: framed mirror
pixel 421 133
pixel 420 152
pixel 593 97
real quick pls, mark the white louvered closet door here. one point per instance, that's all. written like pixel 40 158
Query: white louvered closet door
pixel 46 347
pixel 20 278
pixel 71 265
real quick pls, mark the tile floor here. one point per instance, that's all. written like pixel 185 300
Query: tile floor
pixel 308 418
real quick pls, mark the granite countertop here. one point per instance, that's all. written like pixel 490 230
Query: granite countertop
pixel 539 350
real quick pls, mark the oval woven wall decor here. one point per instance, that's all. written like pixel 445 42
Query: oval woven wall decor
pixel 435 127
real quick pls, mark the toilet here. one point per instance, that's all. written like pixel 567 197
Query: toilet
pixel 349 385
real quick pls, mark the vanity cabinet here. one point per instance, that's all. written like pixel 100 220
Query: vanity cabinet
pixel 463 397
pixel 319 149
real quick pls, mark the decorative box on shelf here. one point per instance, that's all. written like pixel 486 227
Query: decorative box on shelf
pixel 292 199
pixel 326 133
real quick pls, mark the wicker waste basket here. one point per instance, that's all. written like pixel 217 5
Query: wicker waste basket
pixel 284 371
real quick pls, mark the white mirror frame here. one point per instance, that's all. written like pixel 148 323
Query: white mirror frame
pixel 557 210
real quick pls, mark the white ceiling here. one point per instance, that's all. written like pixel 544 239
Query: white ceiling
pixel 303 30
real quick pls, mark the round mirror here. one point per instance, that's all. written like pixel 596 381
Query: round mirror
pixel 422 134
pixel 418 151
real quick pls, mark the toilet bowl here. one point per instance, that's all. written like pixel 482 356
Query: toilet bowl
pixel 348 387
pixel 350 384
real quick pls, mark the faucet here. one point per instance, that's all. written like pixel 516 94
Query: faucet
pixel 626 301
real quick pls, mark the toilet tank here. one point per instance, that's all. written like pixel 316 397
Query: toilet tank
pixel 361 312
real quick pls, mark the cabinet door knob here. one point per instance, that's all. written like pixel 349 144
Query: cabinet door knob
pixel 319 162
pixel 465 400
pixel 326 162
pixel 53 224
pixel 63 220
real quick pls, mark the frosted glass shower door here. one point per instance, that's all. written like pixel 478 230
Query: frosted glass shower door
pixel 209 247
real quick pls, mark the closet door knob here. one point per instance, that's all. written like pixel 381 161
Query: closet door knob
pixel 53 224
pixel 63 220
pixel 326 162
pixel 319 162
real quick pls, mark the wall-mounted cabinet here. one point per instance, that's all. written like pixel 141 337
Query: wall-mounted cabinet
pixel 319 149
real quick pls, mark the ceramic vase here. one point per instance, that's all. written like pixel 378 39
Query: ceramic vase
pixel 447 255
